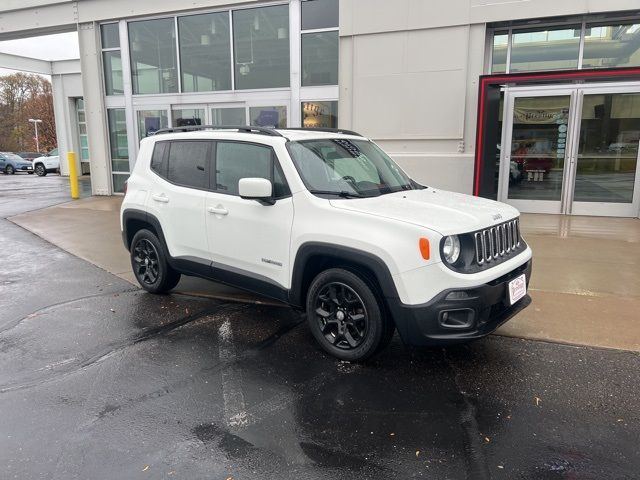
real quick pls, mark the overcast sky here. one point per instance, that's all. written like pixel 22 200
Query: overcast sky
pixel 61 46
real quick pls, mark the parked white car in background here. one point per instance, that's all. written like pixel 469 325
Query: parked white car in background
pixel 326 222
pixel 48 163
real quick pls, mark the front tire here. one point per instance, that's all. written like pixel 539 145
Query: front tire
pixel 345 317
pixel 150 265
pixel 40 170
pixel 10 170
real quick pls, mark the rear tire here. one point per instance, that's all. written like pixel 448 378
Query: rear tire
pixel 149 261
pixel 346 317
pixel 9 170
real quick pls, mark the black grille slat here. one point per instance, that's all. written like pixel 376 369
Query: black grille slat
pixel 497 241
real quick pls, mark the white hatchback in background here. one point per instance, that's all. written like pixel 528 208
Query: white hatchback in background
pixel 48 163
pixel 325 221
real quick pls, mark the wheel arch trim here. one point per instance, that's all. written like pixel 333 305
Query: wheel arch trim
pixel 350 256
pixel 141 216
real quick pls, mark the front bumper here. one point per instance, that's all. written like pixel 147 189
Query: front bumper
pixel 24 168
pixel 459 315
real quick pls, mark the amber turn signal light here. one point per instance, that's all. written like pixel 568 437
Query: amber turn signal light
pixel 424 248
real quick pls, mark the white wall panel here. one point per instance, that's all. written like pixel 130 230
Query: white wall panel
pixel 437 49
pixel 430 14
pixel 406 85
pixel 449 172
pixel 382 54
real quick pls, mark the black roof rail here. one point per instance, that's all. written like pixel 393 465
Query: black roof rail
pixel 240 128
pixel 329 130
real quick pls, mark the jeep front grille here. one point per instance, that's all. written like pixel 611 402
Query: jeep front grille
pixel 497 241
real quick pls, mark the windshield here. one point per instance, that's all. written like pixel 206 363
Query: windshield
pixel 347 168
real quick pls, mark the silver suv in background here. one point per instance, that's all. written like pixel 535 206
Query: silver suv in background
pixel 11 163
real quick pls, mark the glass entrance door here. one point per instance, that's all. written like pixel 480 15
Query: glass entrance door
pixel 534 160
pixel 572 150
pixel 606 170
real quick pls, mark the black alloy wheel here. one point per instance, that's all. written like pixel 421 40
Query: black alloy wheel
pixel 10 170
pixel 150 265
pixel 40 170
pixel 346 317
pixel 341 315
pixel 146 262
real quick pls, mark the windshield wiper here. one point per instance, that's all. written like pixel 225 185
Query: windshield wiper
pixel 341 194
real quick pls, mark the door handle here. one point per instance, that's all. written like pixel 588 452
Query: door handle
pixel 219 210
pixel 160 198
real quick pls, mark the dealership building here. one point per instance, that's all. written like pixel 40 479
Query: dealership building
pixel 531 102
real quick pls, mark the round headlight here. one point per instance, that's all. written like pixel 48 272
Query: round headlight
pixel 451 249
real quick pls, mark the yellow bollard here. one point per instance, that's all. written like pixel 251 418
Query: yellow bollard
pixel 73 175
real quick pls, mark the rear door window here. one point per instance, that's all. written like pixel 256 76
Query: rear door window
pixel 187 163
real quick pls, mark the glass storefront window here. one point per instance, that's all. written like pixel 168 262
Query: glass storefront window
pixel 119 180
pixel 229 116
pixel 545 49
pixel 608 148
pixel 109 33
pixel 271 117
pixel 261 47
pixel 119 148
pixel 82 130
pixel 612 45
pixel 185 117
pixel 152 47
pixel 112 72
pixel 320 59
pixel 319 14
pixel 499 53
pixel 205 52
pixel 150 121
pixel 320 114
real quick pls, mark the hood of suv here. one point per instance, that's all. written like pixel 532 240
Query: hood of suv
pixel 445 212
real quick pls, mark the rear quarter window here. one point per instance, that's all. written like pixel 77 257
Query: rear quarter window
pixel 158 159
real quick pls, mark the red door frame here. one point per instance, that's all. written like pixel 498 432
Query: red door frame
pixel 489 81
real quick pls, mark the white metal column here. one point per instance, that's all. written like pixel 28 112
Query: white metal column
pixel 90 63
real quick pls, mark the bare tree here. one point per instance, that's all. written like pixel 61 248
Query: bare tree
pixel 24 96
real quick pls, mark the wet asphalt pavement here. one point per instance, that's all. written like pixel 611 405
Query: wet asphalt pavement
pixel 99 380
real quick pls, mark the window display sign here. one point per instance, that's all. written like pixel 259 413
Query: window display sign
pixel 525 114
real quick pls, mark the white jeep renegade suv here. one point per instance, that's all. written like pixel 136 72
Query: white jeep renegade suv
pixel 326 222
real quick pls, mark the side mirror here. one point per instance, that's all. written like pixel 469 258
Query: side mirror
pixel 256 189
